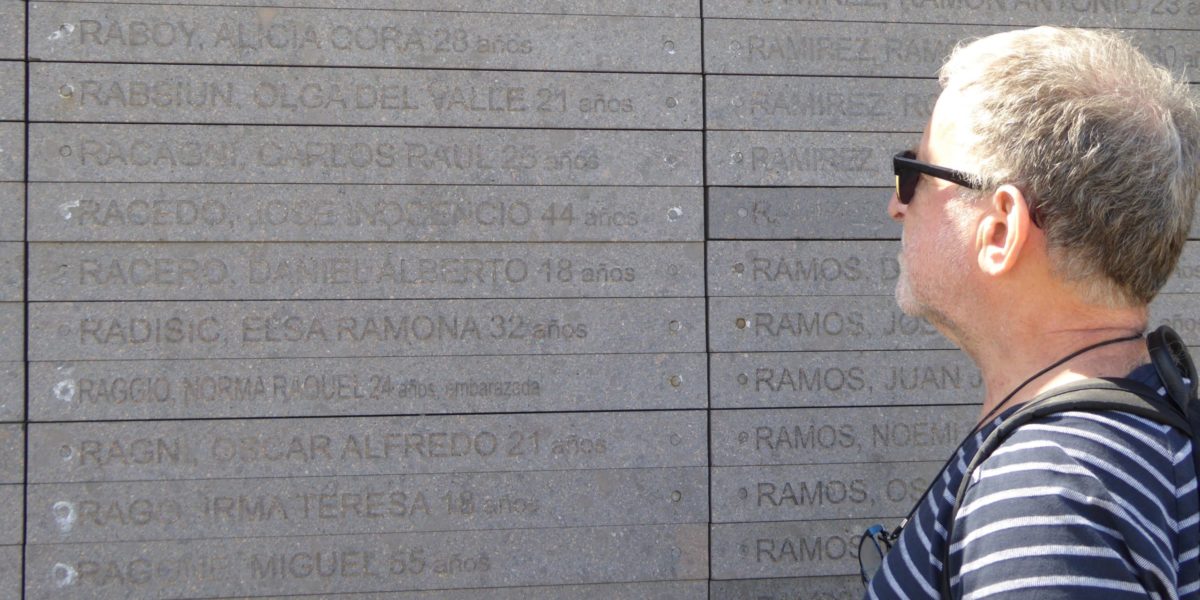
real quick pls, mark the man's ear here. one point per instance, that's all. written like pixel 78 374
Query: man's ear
pixel 1003 230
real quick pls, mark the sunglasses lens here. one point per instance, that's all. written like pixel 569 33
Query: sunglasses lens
pixel 906 185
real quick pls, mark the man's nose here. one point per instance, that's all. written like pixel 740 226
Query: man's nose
pixel 895 209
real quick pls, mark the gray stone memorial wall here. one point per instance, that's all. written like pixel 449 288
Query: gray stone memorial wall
pixel 503 299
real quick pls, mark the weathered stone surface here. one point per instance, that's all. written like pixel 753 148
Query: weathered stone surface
pixel 1181 312
pixel 322 96
pixel 811 436
pixel 277 271
pixel 785 589
pixel 12 91
pixel 374 563
pixel 1130 13
pixel 176 450
pixel 819 103
pixel 12 29
pixel 361 38
pixel 1186 278
pixel 159 389
pixel 809 213
pixel 327 506
pixel 798 268
pixel 12 271
pixel 12 391
pixel 12 151
pixel 163 330
pixel 806 379
pixel 12 211
pixel 786 324
pixel 259 154
pixel 10 571
pixel 764 47
pixel 11 518
pixel 12 332
pixel 249 212
pixel 659 8
pixel 808 158
pixel 750 550
pixel 809 493
pixel 12 461
pixel 655 590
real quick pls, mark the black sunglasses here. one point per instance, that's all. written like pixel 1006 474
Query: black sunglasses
pixel 909 170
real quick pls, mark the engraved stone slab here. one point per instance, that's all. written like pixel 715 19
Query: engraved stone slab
pixel 12 151
pixel 196 153
pixel 159 330
pixel 809 158
pixel 1125 13
pixel 241 508
pixel 175 450
pixel 749 550
pixel 808 436
pixel 783 324
pixel 12 91
pixel 361 38
pixel 12 332
pixel 12 271
pixel 808 493
pixel 317 96
pixel 1186 278
pixel 183 271
pixel 804 379
pixel 12 29
pixel 250 212
pixel 810 213
pixel 371 563
pixel 10 571
pixel 12 211
pixel 819 103
pixel 655 590
pixel 157 389
pixel 660 8
pixel 12 391
pixel 11 519
pixel 800 268
pixel 796 588
pixel 12 444
pixel 1181 312
pixel 881 49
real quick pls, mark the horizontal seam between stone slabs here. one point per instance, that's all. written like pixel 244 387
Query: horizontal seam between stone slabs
pixel 310 183
pixel 382 415
pixel 377 126
pixel 380 67
pixel 411 474
pixel 374 9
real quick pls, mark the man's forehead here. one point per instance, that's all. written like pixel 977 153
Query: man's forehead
pixel 948 138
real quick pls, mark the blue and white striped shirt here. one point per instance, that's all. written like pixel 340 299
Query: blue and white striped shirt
pixel 1074 505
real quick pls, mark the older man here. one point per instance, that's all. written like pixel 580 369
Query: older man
pixel 1046 204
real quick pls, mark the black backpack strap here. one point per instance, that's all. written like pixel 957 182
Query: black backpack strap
pixel 1092 395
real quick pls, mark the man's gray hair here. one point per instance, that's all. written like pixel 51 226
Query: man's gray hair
pixel 1105 144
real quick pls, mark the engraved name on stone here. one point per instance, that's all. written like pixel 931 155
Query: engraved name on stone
pixel 808 213
pixel 12 91
pixel 183 271
pixel 1180 312
pixel 1073 13
pixel 407 561
pixel 848 491
pixel 784 323
pixel 754 550
pixel 347 37
pixel 158 330
pixel 174 450
pixel 12 211
pixel 830 587
pixel 800 268
pixel 157 389
pixel 12 271
pixel 12 29
pixel 239 508
pixel 803 379
pixel 806 436
pixel 659 8
pixel 12 151
pixel 12 331
pixel 764 47
pixel 804 159
pixel 196 153
pixel 316 96
pixel 818 103
pixel 654 590
pixel 251 212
